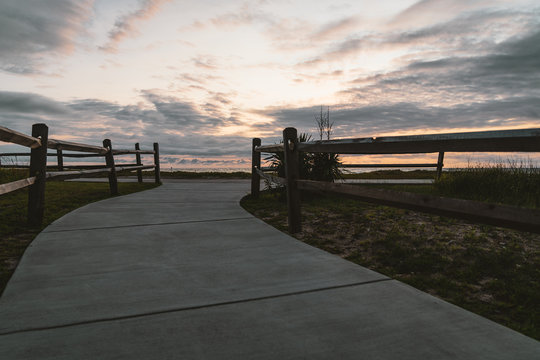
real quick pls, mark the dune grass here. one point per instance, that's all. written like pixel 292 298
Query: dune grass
pixel 9 175
pixel 510 183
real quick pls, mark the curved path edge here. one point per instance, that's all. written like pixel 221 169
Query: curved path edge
pixel 182 271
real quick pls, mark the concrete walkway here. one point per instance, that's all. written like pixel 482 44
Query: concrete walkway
pixel 183 272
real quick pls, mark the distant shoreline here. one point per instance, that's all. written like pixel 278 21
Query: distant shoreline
pixel 369 174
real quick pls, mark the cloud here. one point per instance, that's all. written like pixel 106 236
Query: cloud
pixel 187 116
pixel 276 27
pixel 126 25
pixel 245 15
pixel 519 55
pixel 248 13
pixel 470 32
pixel 431 11
pixel 374 120
pixel 179 127
pixel 15 102
pixel 498 88
pixel 476 68
pixel 336 28
pixel 205 62
pixel 510 69
pixel 32 29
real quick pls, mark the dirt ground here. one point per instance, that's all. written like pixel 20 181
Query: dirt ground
pixel 489 270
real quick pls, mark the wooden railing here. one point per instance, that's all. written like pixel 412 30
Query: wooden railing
pixel 524 140
pixel 438 165
pixel 39 174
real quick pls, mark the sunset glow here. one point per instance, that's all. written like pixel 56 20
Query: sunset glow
pixel 203 77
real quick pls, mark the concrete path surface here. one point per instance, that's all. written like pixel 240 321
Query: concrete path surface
pixel 183 272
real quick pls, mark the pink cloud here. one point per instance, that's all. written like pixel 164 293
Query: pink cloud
pixel 336 28
pixel 125 26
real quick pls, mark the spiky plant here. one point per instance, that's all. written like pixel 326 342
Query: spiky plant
pixel 325 166
pixel 312 166
pixel 277 160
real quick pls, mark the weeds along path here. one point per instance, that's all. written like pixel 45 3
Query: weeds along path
pixel 182 271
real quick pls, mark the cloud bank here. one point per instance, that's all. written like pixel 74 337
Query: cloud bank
pixel 446 65
pixel 179 127
pixel 29 29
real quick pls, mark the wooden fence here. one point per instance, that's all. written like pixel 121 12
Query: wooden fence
pixel 524 140
pixel 438 165
pixel 39 173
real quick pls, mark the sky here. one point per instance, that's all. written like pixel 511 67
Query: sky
pixel 204 77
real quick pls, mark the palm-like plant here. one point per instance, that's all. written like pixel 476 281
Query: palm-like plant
pixel 277 160
pixel 325 165
pixel 312 166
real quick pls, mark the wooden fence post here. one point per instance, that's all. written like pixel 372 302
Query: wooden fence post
pixel 440 164
pixel 156 163
pixel 60 158
pixel 109 159
pixel 139 163
pixel 290 147
pixel 38 168
pixel 255 164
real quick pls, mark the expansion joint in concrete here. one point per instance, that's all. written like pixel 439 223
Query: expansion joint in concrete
pixel 149 224
pixel 196 307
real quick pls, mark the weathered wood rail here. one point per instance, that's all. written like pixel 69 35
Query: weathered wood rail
pixel 523 140
pixel 438 165
pixel 38 174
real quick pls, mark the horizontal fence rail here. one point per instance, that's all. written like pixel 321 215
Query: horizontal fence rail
pixel 15 137
pixel 499 215
pixel 63 175
pixel 439 165
pixel 9 166
pixel 425 165
pixel 271 178
pixel 71 155
pixel 38 164
pixel 270 148
pixel 523 140
pixel 16 185
pixel 526 140
pixel 127 152
pixel 115 152
pixel 67 145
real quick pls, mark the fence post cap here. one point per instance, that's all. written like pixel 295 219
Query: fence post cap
pixel 290 133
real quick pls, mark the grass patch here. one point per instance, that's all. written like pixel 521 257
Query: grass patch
pixel 503 183
pixel 499 184
pixel 8 175
pixel 491 271
pixel 60 198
